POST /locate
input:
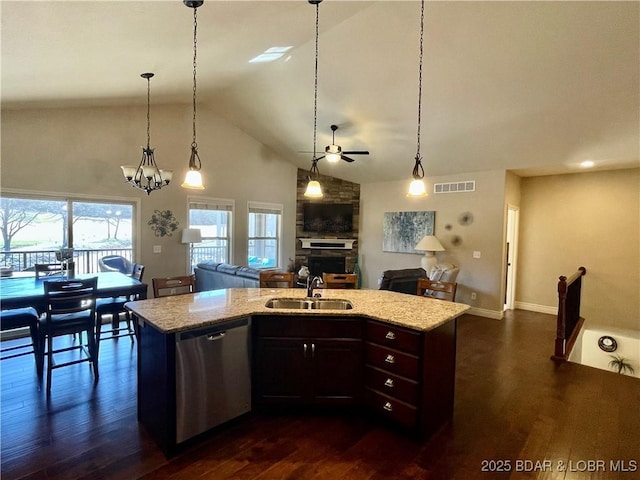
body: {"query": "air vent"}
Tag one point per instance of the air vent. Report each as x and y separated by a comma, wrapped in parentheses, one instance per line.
(455, 187)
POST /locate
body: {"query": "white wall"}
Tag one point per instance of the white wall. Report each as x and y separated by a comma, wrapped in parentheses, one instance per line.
(482, 276)
(80, 150)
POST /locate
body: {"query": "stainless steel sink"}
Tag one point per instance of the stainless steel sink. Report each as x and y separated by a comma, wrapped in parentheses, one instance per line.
(310, 303)
(296, 303)
(331, 304)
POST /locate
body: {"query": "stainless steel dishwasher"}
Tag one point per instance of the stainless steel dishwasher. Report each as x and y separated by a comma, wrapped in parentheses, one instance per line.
(213, 377)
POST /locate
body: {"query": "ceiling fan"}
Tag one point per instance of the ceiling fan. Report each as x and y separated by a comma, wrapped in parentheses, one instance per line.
(334, 152)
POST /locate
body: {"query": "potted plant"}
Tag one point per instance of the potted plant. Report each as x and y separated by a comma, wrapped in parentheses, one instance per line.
(620, 364)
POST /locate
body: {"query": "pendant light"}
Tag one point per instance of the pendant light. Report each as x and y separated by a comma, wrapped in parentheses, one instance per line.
(417, 188)
(193, 179)
(147, 176)
(314, 190)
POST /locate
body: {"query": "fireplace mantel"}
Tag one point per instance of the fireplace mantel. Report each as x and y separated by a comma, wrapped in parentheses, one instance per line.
(329, 243)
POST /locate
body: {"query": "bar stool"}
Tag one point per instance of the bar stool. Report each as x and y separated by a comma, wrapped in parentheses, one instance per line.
(276, 279)
(22, 318)
(70, 308)
(115, 308)
(340, 280)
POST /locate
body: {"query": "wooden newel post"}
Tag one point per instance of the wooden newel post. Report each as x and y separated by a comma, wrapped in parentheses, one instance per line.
(565, 340)
(562, 318)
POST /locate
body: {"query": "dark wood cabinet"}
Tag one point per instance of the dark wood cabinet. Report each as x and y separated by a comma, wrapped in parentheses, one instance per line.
(403, 376)
(309, 360)
(410, 375)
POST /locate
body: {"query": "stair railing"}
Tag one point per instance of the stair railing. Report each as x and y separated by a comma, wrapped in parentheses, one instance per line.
(568, 322)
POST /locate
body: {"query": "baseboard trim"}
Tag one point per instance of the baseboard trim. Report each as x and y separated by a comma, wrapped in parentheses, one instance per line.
(532, 307)
(483, 312)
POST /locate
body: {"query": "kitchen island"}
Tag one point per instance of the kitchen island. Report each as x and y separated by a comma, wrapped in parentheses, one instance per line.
(390, 353)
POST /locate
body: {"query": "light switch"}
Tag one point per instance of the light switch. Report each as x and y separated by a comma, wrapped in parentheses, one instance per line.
(476, 254)
(157, 249)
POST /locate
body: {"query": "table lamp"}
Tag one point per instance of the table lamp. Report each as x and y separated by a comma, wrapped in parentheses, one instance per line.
(430, 244)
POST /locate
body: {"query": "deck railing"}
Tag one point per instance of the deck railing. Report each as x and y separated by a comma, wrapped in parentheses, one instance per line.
(86, 260)
(568, 322)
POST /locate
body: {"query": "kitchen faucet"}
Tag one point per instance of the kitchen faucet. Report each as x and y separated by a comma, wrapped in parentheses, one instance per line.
(313, 283)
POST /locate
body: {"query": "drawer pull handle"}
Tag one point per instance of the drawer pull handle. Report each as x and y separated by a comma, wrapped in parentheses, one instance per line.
(388, 383)
(390, 359)
(388, 407)
(304, 349)
(390, 336)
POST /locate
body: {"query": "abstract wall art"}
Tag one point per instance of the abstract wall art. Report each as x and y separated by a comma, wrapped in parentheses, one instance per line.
(403, 230)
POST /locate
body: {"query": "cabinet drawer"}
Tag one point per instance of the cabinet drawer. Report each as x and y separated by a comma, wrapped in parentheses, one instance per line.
(392, 336)
(392, 360)
(392, 409)
(392, 385)
(308, 326)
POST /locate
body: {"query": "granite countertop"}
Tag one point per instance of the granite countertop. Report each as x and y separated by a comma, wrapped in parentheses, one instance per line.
(185, 312)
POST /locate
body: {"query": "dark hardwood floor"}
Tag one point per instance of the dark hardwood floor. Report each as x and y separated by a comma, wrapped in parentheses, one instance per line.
(514, 409)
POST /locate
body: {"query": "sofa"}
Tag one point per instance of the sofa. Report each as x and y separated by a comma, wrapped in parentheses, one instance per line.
(214, 276)
(406, 280)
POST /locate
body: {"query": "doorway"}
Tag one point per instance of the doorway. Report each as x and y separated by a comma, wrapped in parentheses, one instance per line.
(511, 252)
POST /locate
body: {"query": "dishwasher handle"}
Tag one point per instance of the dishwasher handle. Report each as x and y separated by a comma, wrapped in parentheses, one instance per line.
(213, 332)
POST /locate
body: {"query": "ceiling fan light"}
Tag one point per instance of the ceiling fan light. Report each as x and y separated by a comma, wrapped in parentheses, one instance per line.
(417, 188)
(313, 189)
(333, 153)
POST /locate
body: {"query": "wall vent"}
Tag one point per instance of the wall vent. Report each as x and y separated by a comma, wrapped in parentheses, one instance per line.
(455, 187)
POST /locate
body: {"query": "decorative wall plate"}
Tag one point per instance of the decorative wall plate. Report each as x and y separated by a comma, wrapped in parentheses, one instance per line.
(163, 223)
(465, 218)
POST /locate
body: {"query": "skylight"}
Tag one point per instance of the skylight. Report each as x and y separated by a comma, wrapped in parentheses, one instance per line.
(270, 55)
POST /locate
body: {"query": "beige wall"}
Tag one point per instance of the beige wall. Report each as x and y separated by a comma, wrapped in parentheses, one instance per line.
(80, 150)
(483, 275)
(590, 220)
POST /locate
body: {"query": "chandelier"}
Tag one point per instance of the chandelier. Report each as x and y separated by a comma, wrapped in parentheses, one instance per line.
(147, 176)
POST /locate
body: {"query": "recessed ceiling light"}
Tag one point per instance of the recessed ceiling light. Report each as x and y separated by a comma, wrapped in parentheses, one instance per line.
(270, 54)
(587, 164)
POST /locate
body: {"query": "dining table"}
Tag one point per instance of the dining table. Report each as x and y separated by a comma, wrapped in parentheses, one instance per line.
(28, 291)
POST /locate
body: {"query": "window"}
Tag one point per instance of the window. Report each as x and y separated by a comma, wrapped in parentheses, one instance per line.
(213, 216)
(34, 227)
(265, 221)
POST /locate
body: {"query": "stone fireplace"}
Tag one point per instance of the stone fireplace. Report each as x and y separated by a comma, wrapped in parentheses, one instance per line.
(327, 253)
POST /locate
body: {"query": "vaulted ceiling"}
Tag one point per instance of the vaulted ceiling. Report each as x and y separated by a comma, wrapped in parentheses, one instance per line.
(534, 87)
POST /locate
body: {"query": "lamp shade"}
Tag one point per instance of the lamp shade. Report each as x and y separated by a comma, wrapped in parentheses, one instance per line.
(313, 189)
(193, 180)
(191, 235)
(429, 243)
(417, 189)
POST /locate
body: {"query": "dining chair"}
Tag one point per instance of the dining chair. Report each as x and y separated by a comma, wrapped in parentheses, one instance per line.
(437, 289)
(115, 308)
(70, 308)
(115, 263)
(340, 280)
(48, 269)
(21, 318)
(276, 279)
(163, 287)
